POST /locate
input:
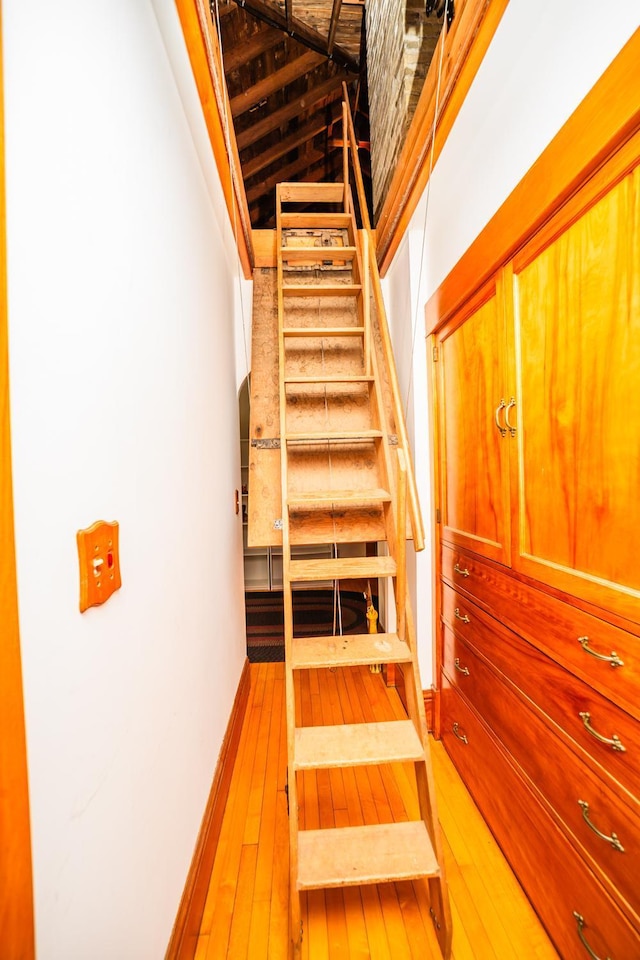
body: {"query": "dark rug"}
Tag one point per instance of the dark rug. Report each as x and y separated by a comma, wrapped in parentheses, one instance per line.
(313, 616)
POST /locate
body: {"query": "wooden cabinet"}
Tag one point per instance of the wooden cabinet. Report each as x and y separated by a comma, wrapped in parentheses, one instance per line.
(540, 408)
(537, 383)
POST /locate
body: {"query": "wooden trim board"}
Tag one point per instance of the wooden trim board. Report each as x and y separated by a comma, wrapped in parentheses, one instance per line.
(184, 937)
(16, 893)
(601, 124)
(465, 45)
(206, 63)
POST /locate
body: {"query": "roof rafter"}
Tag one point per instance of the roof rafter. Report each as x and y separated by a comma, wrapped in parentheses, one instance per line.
(275, 81)
(299, 31)
(279, 117)
(310, 130)
(333, 25)
(242, 53)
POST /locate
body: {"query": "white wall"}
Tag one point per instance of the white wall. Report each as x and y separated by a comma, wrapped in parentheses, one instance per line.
(542, 62)
(124, 407)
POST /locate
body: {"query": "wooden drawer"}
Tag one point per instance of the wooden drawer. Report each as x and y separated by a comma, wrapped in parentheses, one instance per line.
(552, 625)
(559, 694)
(556, 771)
(551, 871)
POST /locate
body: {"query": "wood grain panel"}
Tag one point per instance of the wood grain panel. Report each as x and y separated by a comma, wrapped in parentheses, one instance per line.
(556, 772)
(549, 868)
(16, 897)
(475, 482)
(552, 626)
(578, 362)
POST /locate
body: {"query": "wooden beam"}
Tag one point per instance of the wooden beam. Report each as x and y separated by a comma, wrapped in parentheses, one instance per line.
(16, 897)
(308, 132)
(465, 45)
(275, 81)
(206, 63)
(290, 172)
(333, 25)
(325, 93)
(304, 34)
(247, 50)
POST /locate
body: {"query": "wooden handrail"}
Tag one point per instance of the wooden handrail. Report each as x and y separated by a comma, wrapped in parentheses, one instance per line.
(417, 527)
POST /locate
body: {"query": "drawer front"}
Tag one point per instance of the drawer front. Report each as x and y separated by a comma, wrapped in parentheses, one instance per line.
(557, 692)
(553, 626)
(552, 873)
(565, 782)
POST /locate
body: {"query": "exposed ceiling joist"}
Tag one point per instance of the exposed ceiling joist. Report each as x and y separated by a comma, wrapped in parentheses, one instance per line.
(307, 132)
(275, 81)
(304, 34)
(249, 49)
(279, 117)
(289, 172)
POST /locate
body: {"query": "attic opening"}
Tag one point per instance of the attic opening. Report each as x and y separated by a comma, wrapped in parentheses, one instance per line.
(285, 64)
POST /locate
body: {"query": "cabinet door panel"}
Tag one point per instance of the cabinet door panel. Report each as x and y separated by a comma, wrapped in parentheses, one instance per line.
(475, 475)
(577, 339)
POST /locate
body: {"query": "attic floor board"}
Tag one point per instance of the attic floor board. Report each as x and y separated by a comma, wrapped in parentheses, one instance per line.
(246, 911)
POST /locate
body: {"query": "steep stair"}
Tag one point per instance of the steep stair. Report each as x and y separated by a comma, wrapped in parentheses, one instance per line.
(337, 456)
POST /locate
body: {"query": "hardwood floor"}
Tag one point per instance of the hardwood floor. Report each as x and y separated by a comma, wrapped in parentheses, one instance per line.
(245, 915)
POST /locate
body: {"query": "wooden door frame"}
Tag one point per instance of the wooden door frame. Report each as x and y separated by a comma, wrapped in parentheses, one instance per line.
(16, 889)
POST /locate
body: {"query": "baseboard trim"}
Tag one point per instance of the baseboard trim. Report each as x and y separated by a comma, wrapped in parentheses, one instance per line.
(184, 937)
(428, 708)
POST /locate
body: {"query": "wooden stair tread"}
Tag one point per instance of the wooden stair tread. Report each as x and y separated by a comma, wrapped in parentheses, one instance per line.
(351, 650)
(314, 220)
(288, 254)
(331, 378)
(356, 744)
(345, 856)
(308, 192)
(321, 289)
(342, 568)
(308, 497)
(323, 331)
(335, 435)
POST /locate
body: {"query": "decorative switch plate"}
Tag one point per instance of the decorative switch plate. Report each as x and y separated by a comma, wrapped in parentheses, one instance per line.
(99, 563)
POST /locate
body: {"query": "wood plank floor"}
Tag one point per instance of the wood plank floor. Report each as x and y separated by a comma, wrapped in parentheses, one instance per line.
(245, 914)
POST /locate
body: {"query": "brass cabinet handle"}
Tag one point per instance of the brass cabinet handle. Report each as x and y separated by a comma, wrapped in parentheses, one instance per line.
(461, 616)
(464, 670)
(501, 406)
(460, 736)
(583, 940)
(614, 742)
(512, 429)
(613, 657)
(463, 573)
(613, 839)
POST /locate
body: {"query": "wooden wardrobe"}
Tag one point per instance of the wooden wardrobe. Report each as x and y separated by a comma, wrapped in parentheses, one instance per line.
(536, 380)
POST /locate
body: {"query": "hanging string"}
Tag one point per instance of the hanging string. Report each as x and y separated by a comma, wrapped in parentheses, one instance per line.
(426, 205)
(221, 89)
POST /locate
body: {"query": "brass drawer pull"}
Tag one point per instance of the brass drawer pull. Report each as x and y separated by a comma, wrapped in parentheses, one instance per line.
(512, 429)
(463, 573)
(461, 616)
(615, 743)
(583, 940)
(460, 669)
(501, 406)
(613, 657)
(460, 736)
(613, 839)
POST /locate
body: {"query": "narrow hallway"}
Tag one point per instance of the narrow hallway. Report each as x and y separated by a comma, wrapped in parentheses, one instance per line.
(246, 908)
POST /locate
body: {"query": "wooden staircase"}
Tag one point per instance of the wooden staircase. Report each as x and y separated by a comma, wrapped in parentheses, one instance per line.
(338, 463)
